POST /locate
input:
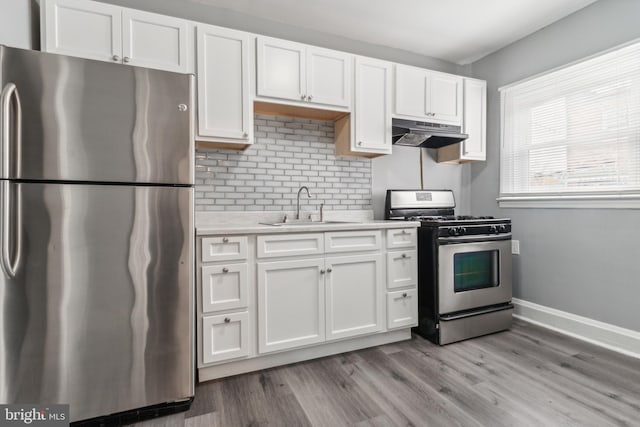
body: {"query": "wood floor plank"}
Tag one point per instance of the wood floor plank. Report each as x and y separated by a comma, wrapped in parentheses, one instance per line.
(528, 376)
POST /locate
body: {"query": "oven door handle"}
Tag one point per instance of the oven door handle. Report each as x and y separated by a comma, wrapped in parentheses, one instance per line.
(474, 239)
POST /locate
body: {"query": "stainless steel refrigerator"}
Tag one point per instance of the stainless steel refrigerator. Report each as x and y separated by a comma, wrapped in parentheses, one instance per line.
(96, 193)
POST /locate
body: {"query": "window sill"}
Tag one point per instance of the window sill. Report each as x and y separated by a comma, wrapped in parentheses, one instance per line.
(573, 201)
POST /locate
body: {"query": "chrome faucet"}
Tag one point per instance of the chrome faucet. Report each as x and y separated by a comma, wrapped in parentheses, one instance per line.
(298, 203)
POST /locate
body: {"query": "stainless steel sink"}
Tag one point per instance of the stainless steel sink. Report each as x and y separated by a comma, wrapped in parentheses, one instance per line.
(306, 222)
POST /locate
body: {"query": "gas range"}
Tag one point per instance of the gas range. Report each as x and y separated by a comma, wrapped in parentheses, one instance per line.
(464, 266)
(435, 208)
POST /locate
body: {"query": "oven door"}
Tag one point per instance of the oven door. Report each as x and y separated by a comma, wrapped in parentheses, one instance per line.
(473, 272)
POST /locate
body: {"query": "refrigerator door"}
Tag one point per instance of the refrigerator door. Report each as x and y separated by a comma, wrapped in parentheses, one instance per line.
(96, 305)
(84, 120)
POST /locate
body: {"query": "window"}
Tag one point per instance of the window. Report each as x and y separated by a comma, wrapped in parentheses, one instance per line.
(571, 137)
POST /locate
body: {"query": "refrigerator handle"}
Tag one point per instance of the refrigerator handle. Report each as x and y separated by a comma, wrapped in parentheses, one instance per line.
(10, 219)
(9, 92)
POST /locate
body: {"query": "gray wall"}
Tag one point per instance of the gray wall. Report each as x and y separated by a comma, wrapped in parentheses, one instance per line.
(584, 261)
(19, 23)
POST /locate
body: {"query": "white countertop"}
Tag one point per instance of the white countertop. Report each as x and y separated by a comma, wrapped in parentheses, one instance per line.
(250, 223)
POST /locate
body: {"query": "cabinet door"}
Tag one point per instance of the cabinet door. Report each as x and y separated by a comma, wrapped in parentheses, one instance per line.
(354, 295)
(82, 28)
(402, 309)
(373, 106)
(225, 336)
(224, 103)
(281, 69)
(475, 120)
(402, 269)
(224, 287)
(328, 77)
(290, 304)
(410, 88)
(154, 41)
(445, 98)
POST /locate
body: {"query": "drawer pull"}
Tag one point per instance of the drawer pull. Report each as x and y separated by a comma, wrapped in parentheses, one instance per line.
(404, 295)
(225, 270)
(225, 240)
(329, 270)
(227, 320)
(405, 232)
(404, 255)
(322, 271)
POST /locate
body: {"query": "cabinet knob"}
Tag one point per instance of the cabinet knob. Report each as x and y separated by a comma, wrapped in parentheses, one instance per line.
(322, 271)
(245, 135)
(126, 59)
(182, 107)
(359, 143)
(225, 270)
(225, 240)
(309, 98)
(303, 97)
(404, 295)
(227, 320)
(404, 255)
(329, 270)
(115, 58)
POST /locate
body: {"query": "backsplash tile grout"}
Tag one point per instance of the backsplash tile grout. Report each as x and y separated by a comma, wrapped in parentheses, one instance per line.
(288, 153)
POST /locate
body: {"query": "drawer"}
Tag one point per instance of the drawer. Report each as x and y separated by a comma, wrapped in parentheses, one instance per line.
(224, 287)
(225, 337)
(402, 309)
(279, 245)
(224, 248)
(402, 269)
(352, 241)
(401, 238)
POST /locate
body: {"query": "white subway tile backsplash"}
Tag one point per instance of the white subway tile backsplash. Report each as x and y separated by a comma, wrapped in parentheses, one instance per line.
(288, 153)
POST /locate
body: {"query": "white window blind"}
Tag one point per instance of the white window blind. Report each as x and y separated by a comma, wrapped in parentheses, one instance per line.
(574, 131)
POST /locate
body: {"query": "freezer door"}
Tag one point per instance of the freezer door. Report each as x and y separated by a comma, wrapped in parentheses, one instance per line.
(96, 296)
(74, 119)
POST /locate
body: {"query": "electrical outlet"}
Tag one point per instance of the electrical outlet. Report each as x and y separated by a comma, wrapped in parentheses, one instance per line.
(515, 247)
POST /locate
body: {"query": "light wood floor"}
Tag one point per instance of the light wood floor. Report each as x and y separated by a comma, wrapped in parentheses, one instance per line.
(528, 376)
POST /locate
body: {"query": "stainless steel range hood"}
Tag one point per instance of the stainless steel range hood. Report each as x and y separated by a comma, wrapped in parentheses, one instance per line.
(421, 134)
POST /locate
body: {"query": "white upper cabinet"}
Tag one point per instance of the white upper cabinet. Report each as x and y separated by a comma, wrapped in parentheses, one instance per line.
(328, 77)
(223, 67)
(427, 95)
(297, 72)
(103, 32)
(373, 107)
(82, 28)
(474, 148)
(475, 120)
(154, 41)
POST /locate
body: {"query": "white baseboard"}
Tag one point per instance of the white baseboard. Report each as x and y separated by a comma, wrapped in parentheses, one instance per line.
(613, 337)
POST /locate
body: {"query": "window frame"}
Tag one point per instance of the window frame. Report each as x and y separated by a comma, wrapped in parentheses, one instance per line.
(606, 199)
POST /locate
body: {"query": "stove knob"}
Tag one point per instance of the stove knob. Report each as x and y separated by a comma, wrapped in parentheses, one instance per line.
(453, 231)
(462, 231)
(493, 229)
(503, 228)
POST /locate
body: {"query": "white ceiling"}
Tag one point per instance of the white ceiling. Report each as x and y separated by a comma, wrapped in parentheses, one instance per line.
(459, 31)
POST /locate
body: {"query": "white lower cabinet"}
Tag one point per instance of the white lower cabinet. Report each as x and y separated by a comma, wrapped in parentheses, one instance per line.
(275, 298)
(225, 336)
(402, 269)
(402, 308)
(290, 304)
(354, 293)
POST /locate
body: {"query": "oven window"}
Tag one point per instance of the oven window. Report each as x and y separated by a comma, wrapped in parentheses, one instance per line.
(475, 270)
